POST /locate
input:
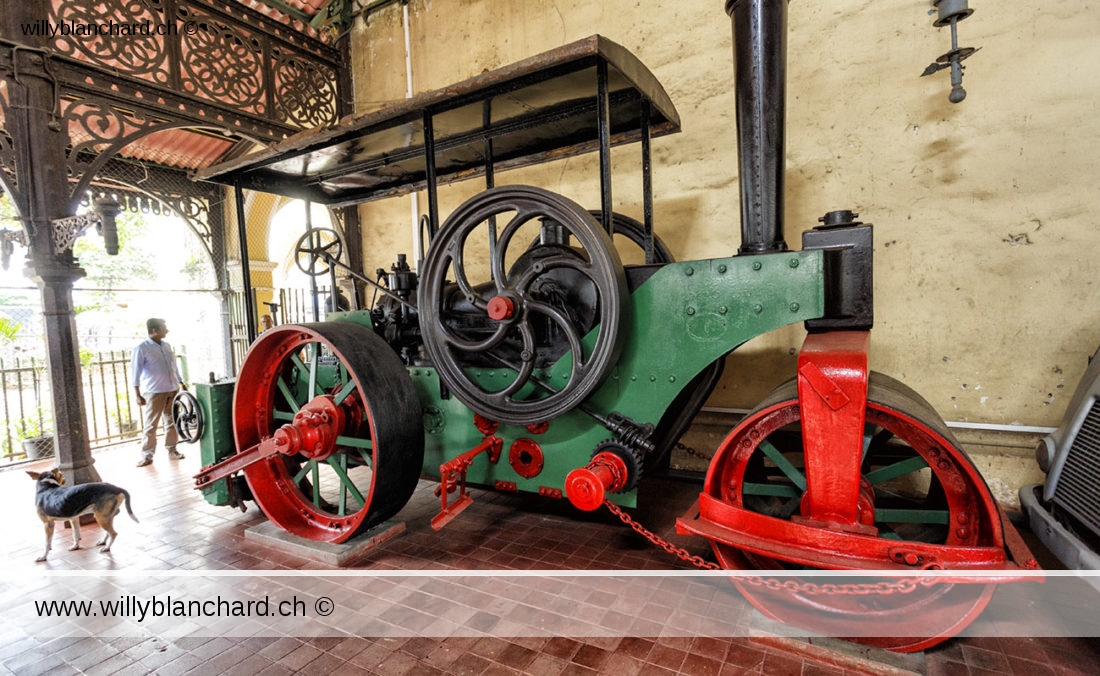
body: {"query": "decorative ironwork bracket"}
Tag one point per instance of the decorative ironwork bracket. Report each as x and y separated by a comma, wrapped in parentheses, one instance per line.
(69, 229)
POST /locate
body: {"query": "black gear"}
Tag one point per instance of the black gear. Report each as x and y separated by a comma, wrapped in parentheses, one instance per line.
(631, 457)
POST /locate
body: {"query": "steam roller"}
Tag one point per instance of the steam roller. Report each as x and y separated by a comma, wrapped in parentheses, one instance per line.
(524, 355)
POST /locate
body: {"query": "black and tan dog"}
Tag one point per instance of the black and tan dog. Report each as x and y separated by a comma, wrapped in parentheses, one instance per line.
(56, 502)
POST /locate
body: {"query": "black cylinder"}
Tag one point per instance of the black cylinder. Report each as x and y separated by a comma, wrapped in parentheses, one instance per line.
(760, 64)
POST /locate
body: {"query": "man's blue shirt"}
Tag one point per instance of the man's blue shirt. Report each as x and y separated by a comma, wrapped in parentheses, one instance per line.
(153, 367)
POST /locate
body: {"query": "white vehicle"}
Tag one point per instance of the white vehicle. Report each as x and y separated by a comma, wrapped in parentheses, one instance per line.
(1065, 511)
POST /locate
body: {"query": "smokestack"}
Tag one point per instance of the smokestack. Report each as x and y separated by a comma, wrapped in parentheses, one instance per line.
(760, 63)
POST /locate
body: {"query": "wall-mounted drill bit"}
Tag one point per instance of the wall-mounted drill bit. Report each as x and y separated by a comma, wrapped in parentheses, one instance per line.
(950, 13)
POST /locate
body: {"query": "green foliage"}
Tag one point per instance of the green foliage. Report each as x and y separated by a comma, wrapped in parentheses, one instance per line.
(28, 427)
(8, 212)
(18, 299)
(135, 263)
(9, 328)
(124, 413)
(195, 268)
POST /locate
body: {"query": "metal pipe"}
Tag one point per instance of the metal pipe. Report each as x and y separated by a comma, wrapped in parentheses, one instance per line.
(490, 170)
(603, 125)
(379, 4)
(246, 272)
(647, 183)
(414, 198)
(760, 62)
(429, 175)
(314, 242)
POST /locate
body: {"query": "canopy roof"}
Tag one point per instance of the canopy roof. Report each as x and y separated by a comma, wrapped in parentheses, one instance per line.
(532, 111)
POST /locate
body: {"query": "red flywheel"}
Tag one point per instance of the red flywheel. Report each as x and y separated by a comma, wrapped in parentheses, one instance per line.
(339, 396)
(925, 504)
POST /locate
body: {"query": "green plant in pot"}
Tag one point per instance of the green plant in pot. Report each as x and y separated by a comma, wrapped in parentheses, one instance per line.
(35, 434)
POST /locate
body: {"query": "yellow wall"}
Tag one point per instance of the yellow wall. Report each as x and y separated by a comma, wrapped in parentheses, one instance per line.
(987, 300)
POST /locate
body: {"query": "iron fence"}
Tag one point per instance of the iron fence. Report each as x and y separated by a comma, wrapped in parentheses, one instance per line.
(112, 415)
(26, 416)
(291, 306)
(109, 405)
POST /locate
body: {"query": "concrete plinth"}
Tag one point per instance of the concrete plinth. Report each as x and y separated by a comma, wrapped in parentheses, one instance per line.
(336, 555)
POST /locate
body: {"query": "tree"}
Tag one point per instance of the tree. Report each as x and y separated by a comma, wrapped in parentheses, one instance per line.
(133, 267)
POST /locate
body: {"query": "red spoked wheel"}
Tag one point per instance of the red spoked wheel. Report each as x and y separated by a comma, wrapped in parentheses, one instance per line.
(919, 487)
(345, 398)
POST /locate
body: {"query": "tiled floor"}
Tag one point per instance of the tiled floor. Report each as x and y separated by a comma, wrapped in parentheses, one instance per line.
(180, 534)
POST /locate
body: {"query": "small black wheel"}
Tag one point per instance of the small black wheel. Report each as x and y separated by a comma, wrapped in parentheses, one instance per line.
(549, 316)
(315, 250)
(187, 417)
(633, 230)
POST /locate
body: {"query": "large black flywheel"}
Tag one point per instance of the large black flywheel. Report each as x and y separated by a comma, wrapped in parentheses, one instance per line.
(521, 335)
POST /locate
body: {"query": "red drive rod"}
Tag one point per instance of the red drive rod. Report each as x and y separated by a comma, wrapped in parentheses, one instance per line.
(586, 487)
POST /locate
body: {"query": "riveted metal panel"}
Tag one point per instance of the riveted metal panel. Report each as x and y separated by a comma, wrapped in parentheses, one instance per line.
(682, 319)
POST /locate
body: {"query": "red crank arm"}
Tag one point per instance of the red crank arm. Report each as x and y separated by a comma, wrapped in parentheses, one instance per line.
(235, 463)
(312, 433)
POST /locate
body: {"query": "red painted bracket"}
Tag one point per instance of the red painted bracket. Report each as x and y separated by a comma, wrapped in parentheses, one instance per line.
(832, 397)
(453, 477)
(821, 548)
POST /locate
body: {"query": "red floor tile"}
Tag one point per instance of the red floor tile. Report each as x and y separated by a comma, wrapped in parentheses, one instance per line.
(179, 531)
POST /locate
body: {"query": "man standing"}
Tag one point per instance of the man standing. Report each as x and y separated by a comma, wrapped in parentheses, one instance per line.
(156, 378)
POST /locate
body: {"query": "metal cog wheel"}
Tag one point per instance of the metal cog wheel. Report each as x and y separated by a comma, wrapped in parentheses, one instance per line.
(631, 457)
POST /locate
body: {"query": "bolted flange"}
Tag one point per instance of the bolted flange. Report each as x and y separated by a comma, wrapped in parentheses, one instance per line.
(525, 457)
(314, 429)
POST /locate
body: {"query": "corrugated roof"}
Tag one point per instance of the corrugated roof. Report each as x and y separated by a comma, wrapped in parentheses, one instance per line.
(192, 150)
(309, 7)
(179, 148)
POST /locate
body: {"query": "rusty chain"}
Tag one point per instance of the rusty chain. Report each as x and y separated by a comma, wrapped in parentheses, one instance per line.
(681, 446)
(678, 552)
(901, 586)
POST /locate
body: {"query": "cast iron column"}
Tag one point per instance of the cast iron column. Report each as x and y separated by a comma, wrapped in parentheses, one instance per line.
(55, 281)
(41, 194)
